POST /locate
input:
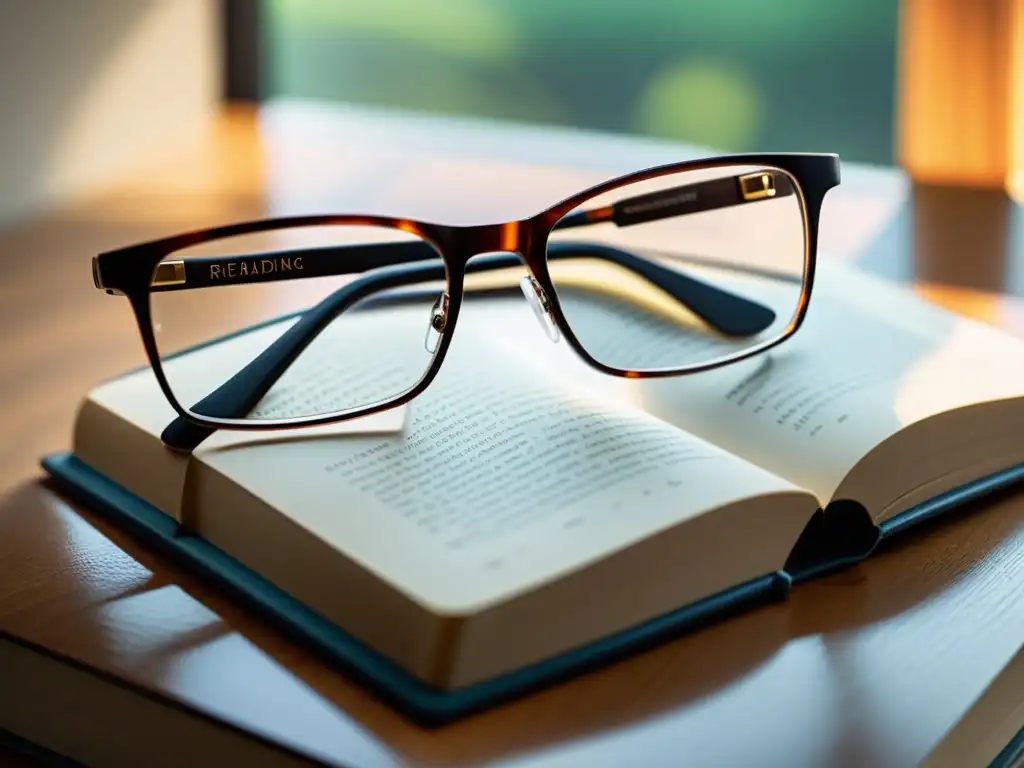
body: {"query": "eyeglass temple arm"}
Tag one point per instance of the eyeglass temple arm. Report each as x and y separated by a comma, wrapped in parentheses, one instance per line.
(243, 391)
(177, 274)
(689, 198)
(722, 310)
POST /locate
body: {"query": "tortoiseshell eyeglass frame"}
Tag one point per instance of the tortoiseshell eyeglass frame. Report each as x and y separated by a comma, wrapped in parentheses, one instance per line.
(139, 270)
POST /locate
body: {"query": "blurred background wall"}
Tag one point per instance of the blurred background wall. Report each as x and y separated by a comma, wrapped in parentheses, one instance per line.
(737, 75)
(89, 90)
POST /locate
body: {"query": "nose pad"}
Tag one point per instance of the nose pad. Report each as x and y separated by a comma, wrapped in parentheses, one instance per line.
(538, 300)
(438, 321)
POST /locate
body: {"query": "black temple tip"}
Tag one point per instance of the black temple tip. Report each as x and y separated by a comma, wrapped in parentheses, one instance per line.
(183, 436)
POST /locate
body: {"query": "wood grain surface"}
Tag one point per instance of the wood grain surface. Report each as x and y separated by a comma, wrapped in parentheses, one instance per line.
(865, 668)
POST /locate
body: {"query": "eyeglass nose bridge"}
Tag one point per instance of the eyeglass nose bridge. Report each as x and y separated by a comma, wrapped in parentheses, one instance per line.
(511, 237)
(512, 240)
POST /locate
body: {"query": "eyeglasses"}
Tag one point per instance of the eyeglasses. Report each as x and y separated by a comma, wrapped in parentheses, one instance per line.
(312, 320)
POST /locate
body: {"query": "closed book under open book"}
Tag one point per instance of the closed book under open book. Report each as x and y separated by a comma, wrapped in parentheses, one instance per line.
(527, 518)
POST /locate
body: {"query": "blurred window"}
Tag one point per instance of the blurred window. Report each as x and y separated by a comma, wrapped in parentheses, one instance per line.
(737, 75)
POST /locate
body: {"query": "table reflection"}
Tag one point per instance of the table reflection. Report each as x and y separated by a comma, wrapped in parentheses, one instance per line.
(957, 236)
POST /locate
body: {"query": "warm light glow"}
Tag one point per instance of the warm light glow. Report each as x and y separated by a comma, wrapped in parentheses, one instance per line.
(130, 111)
(973, 363)
(1015, 106)
(408, 226)
(960, 124)
(1015, 186)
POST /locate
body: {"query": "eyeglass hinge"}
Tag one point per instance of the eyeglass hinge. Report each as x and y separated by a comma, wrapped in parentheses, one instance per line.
(167, 273)
(757, 186)
(97, 279)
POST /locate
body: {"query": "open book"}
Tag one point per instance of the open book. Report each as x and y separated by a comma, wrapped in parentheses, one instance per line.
(526, 510)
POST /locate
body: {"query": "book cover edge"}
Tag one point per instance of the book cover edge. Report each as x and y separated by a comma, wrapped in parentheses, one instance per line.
(964, 499)
(1012, 755)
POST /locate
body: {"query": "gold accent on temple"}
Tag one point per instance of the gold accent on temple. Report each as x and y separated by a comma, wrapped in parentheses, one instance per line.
(169, 273)
(757, 186)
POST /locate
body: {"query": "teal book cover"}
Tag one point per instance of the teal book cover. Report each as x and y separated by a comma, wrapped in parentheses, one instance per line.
(839, 538)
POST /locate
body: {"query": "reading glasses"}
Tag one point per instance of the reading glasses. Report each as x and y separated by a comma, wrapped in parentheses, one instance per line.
(312, 320)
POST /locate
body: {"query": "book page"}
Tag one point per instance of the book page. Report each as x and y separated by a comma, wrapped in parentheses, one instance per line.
(128, 449)
(870, 360)
(505, 477)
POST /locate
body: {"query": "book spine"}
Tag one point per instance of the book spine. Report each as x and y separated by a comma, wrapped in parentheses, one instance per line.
(839, 536)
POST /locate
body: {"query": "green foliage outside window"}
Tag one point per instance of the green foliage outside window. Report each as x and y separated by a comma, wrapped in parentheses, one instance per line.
(737, 75)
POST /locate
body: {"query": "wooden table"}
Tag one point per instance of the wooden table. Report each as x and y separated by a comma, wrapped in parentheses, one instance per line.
(865, 668)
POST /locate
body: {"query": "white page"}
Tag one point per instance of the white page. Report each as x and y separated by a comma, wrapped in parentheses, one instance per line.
(869, 360)
(503, 479)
